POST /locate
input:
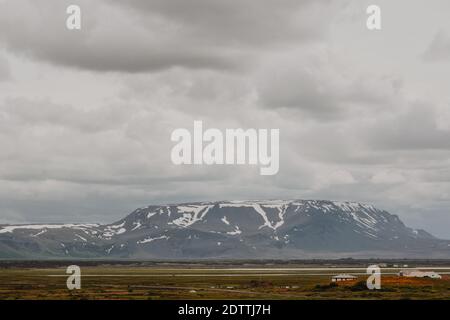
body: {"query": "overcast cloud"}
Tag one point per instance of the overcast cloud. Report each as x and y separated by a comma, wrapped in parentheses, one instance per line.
(439, 48)
(86, 116)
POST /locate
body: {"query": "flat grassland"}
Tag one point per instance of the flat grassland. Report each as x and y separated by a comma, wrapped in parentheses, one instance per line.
(134, 281)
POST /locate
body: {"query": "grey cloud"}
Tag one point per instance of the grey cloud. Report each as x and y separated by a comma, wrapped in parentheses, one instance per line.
(439, 48)
(413, 129)
(27, 113)
(5, 70)
(319, 90)
(301, 90)
(123, 144)
(242, 22)
(110, 39)
(218, 35)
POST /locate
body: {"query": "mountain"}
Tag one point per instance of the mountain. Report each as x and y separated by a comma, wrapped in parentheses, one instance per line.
(276, 229)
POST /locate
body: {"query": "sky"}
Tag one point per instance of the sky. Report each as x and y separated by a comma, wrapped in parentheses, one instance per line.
(86, 115)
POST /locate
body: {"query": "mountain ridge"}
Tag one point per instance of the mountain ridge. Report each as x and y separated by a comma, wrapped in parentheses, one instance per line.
(287, 229)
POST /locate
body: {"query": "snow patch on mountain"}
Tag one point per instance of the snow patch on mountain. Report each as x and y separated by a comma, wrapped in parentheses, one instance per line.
(224, 219)
(12, 228)
(236, 231)
(147, 240)
(190, 214)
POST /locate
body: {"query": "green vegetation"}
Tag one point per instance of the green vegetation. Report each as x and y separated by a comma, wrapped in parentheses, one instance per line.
(203, 281)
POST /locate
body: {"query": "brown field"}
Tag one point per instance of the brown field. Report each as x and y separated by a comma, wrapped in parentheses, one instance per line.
(205, 282)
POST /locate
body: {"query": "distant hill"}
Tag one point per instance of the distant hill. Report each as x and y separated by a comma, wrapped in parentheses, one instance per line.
(279, 229)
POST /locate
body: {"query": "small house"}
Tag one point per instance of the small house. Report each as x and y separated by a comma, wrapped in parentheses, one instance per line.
(343, 277)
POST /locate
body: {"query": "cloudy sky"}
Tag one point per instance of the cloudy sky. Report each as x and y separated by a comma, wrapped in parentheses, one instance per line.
(86, 116)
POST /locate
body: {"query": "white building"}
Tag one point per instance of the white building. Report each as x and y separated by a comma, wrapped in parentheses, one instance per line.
(343, 277)
(420, 274)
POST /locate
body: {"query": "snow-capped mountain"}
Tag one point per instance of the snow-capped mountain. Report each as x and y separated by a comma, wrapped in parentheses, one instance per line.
(282, 229)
